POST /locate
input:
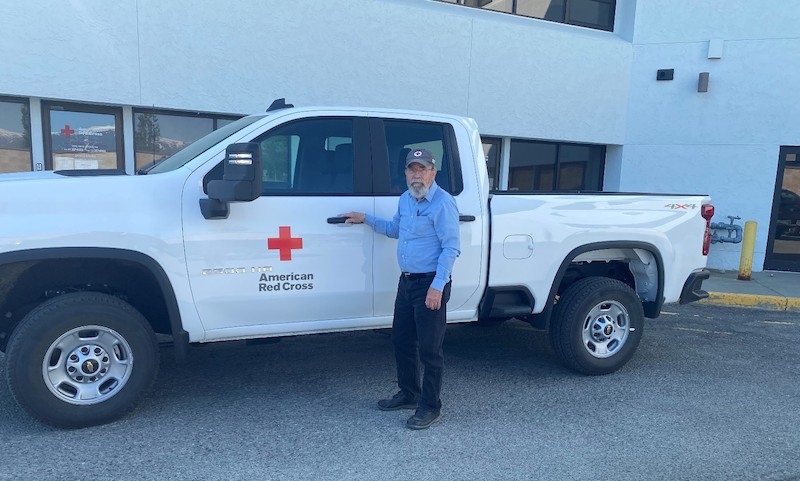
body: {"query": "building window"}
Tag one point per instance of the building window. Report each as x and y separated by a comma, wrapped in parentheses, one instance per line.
(491, 152)
(159, 133)
(15, 135)
(496, 5)
(79, 136)
(598, 14)
(548, 166)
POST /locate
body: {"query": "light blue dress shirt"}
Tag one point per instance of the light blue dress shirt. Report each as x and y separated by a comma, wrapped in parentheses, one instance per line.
(427, 233)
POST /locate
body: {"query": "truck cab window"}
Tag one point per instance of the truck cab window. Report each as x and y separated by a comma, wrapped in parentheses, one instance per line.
(403, 136)
(309, 156)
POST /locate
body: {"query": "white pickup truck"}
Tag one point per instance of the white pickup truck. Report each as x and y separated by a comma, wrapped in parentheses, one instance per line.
(237, 237)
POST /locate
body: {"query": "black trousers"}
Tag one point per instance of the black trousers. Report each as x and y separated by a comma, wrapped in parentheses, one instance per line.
(417, 337)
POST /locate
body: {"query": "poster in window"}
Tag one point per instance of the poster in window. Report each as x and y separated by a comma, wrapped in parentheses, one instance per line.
(83, 140)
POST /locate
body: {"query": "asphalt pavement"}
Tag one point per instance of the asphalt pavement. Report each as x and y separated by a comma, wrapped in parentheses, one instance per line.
(713, 393)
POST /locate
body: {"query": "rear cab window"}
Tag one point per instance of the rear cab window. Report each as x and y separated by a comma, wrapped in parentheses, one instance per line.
(403, 136)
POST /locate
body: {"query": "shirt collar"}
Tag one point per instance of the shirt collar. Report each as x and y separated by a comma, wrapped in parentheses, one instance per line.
(431, 192)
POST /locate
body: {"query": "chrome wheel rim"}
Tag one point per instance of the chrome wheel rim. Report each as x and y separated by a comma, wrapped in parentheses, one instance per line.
(87, 365)
(605, 329)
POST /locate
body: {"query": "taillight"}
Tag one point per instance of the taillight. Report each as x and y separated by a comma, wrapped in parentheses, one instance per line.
(707, 212)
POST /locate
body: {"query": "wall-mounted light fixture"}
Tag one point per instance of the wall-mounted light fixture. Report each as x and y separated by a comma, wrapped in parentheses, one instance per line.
(665, 73)
(715, 48)
(702, 82)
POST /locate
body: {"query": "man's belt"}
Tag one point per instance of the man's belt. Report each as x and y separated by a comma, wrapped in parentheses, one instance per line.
(418, 275)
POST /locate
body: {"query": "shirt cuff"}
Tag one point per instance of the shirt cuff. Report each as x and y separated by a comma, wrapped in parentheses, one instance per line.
(369, 219)
(438, 284)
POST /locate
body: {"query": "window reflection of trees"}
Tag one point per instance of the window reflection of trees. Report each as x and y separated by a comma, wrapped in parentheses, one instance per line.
(15, 136)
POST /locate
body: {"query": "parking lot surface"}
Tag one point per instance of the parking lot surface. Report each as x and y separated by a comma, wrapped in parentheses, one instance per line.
(713, 393)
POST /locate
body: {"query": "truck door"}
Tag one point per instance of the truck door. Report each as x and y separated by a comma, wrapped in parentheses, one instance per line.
(392, 140)
(276, 260)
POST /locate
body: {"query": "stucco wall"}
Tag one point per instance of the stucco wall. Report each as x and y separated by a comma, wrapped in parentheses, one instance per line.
(74, 50)
(518, 76)
(724, 142)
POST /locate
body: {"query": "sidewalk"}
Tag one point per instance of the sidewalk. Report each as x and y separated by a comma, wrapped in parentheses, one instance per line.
(773, 290)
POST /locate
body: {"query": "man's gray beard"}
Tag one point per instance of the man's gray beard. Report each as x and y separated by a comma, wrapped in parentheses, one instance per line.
(418, 192)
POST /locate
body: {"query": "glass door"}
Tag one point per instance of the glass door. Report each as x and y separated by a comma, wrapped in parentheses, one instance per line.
(80, 136)
(783, 244)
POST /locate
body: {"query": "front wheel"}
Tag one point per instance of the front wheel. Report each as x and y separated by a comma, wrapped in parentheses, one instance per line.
(81, 359)
(597, 325)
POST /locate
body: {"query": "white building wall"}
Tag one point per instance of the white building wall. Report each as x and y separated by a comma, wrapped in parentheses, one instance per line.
(73, 50)
(724, 142)
(518, 77)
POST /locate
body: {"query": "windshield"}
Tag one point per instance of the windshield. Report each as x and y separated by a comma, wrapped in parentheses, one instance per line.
(180, 158)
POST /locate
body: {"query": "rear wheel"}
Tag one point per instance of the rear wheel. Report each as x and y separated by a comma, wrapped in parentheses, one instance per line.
(597, 325)
(81, 359)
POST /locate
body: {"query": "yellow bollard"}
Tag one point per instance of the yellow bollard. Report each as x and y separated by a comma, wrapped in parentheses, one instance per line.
(748, 247)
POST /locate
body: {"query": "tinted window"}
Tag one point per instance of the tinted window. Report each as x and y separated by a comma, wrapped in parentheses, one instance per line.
(597, 14)
(550, 166)
(491, 151)
(15, 136)
(591, 13)
(159, 134)
(194, 149)
(311, 156)
(580, 167)
(403, 136)
(531, 166)
(544, 9)
(496, 5)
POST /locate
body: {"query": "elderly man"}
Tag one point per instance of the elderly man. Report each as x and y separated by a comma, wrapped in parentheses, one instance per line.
(426, 226)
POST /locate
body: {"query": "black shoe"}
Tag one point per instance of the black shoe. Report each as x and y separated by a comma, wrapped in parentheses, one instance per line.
(423, 418)
(398, 401)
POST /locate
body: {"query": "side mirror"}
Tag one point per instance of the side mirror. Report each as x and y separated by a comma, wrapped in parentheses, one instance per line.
(241, 180)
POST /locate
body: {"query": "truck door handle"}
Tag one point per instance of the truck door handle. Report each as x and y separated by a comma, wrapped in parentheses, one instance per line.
(466, 218)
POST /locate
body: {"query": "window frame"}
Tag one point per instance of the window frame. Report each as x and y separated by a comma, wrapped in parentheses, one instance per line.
(119, 133)
(565, 13)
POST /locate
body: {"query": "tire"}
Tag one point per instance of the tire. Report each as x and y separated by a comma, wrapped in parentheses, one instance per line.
(597, 325)
(81, 359)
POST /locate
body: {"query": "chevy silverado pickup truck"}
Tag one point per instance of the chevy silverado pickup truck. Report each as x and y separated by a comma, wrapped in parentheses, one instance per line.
(238, 236)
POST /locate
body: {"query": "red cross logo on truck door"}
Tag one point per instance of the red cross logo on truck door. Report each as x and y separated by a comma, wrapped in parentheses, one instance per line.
(285, 243)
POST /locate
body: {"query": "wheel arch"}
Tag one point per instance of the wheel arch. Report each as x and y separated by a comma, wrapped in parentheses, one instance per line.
(561, 281)
(29, 277)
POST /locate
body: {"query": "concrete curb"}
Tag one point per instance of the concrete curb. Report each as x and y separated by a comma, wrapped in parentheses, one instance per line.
(772, 303)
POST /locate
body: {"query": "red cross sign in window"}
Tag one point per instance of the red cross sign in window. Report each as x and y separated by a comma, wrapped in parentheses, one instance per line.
(285, 243)
(66, 131)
